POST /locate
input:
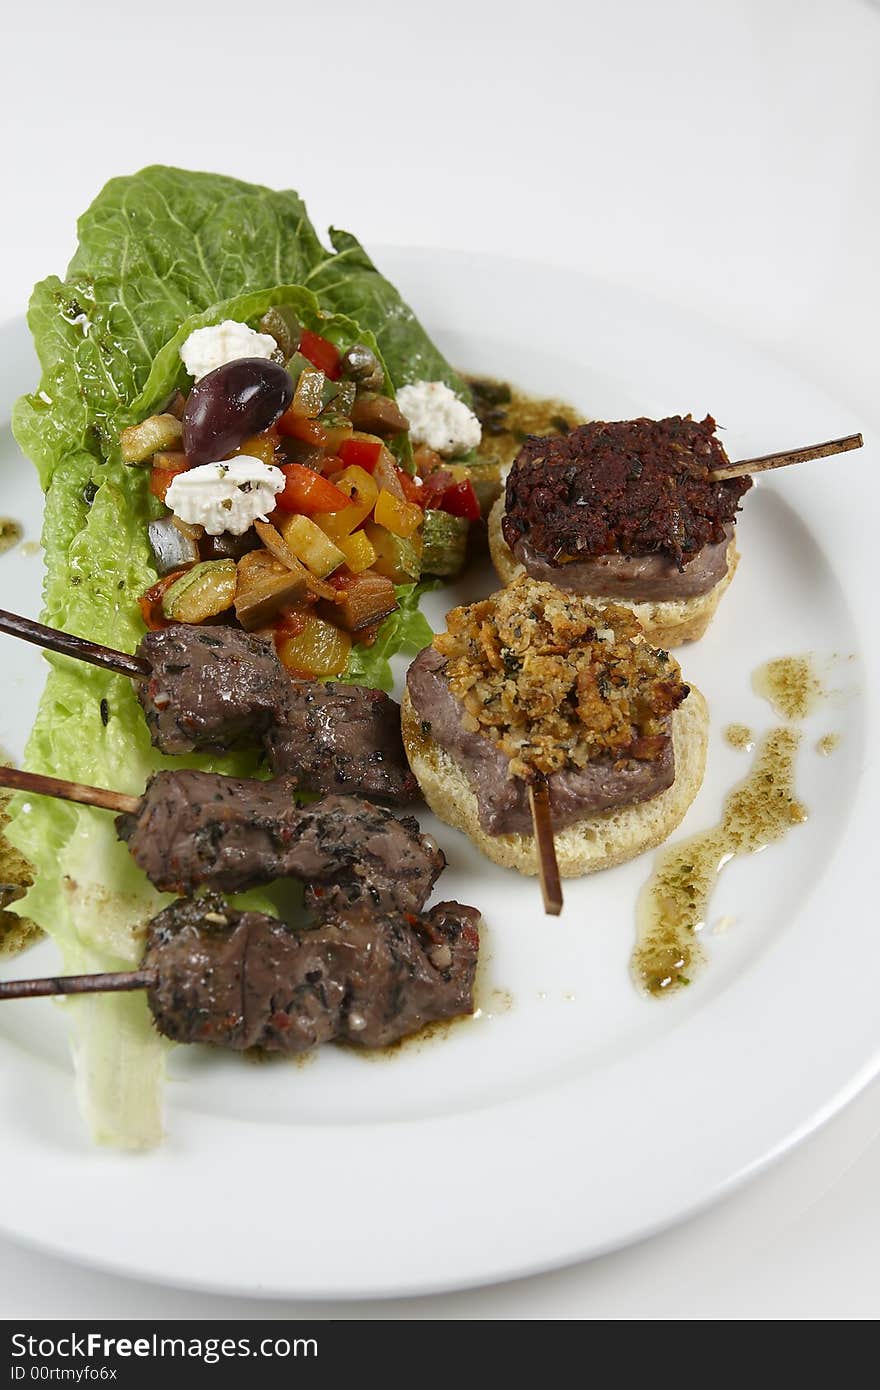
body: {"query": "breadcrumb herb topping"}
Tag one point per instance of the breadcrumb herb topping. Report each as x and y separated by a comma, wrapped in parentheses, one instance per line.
(556, 683)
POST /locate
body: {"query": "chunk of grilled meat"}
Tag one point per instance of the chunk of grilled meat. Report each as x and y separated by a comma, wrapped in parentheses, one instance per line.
(212, 687)
(341, 738)
(629, 487)
(243, 979)
(196, 827)
(209, 687)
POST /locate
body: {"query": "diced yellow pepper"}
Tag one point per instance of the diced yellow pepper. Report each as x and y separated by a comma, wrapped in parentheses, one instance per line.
(309, 544)
(357, 484)
(336, 435)
(398, 516)
(259, 446)
(359, 553)
(321, 649)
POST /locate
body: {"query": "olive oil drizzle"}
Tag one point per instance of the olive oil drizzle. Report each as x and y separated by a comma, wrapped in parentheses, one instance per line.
(740, 736)
(10, 533)
(790, 684)
(826, 745)
(508, 416)
(672, 907)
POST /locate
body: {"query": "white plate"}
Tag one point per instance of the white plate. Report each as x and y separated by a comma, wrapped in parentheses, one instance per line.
(572, 1115)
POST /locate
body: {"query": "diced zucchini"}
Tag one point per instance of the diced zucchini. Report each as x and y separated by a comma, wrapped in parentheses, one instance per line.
(321, 649)
(297, 364)
(398, 557)
(340, 395)
(309, 544)
(396, 514)
(444, 543)
(203, 592)
(357, 550)
(140, 442)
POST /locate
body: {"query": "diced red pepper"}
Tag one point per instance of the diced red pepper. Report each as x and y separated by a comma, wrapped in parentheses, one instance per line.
(162, 478)
(363, 453)
(434, 487)
(461, 500)
(299, 427)
(307, 491)
(412, 487)
(321, 354)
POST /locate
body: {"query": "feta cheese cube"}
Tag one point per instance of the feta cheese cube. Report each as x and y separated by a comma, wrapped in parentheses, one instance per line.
(438, 418)
(208, 348)
(228, 496)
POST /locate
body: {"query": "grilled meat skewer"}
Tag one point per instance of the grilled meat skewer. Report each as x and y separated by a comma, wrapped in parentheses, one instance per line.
(191, 828)
(198, 827)
(244, 979)
(208, 688)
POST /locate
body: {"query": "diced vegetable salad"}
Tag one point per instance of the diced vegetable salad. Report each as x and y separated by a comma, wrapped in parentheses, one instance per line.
(327, 507)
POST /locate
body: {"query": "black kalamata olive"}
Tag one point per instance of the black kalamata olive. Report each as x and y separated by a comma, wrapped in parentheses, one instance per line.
(231, 403)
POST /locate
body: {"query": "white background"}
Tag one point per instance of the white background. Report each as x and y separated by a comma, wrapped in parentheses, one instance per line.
(719, 153)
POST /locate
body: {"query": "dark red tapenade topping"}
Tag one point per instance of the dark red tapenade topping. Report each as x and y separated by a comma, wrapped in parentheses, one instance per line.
(633, 487)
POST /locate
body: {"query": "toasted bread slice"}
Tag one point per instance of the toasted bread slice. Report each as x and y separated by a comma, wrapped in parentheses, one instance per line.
(597, 842)
(666, 624)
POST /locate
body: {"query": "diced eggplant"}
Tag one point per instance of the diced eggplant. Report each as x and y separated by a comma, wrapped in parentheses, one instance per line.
(366, 599)
(171, 549)
(229, 547)
(378, 415)
(264, 587)
(308, 394)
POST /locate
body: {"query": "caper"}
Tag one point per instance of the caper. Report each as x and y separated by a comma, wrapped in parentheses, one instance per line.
(362, 364)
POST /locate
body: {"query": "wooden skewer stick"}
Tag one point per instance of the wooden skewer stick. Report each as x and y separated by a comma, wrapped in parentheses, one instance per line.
(539, 804)
(77, 984)
(811, 451)
(68, 645)
(40, 785)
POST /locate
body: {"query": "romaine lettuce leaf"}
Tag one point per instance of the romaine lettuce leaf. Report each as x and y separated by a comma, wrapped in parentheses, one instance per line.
(406, 630)
(159, 250)
(160, 246)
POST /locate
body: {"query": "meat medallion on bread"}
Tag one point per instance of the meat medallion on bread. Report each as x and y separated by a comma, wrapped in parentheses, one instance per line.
(625, 512)
(534, 682)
